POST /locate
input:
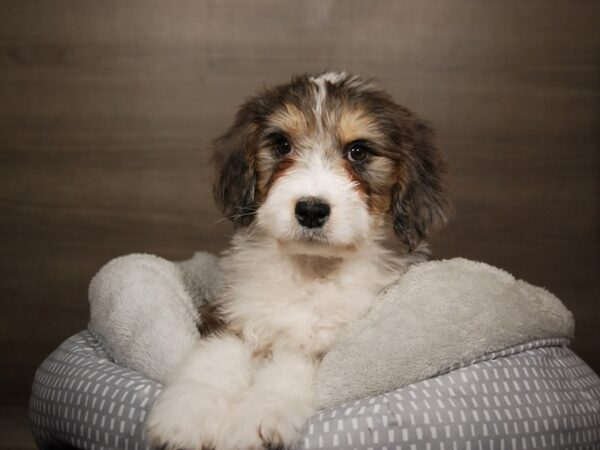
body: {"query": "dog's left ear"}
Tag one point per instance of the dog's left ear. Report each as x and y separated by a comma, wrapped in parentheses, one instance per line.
(420, 205)
(234, 186)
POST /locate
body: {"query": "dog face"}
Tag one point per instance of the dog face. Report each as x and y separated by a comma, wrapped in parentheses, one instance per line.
(323, 163)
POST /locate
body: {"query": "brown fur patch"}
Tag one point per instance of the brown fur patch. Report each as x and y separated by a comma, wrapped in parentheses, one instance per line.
(265, 160)
(282, 166)
(362, 186)
(270, 168)
(379, 204)
(212, 321)
(291, 119)
(355, 124)
(262, 353)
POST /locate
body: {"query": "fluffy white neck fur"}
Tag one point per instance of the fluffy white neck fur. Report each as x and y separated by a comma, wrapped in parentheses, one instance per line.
(277, 300)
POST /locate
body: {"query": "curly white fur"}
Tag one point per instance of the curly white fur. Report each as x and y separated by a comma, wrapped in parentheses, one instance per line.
(285, 302)
(252, 386)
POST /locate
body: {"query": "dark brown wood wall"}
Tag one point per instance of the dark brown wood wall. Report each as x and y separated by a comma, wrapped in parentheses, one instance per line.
(107, 110)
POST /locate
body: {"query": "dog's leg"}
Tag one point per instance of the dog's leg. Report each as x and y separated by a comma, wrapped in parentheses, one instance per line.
(192, 410)
(277, 405)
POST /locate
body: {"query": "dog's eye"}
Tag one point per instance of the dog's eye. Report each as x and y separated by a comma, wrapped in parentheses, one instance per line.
(282, 145)
(358, 152)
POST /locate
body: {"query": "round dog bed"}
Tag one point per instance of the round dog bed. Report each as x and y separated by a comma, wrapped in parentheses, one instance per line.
(537, 395)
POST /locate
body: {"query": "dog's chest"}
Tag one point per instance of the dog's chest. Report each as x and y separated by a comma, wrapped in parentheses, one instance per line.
(278, 309)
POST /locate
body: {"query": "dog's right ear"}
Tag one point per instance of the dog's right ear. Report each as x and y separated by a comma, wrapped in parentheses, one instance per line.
(234, 186)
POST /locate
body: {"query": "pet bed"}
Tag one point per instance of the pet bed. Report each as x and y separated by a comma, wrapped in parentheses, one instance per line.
(538, 395)
(456, 354)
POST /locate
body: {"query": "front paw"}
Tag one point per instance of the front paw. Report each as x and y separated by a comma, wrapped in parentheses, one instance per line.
(187, 419)
(256, 426)
(277, 433)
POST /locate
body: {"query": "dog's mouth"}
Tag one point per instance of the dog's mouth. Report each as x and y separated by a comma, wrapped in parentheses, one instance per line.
(314, 242)
(312, 237)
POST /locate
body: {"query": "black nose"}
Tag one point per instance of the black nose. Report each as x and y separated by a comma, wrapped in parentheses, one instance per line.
(312, 212)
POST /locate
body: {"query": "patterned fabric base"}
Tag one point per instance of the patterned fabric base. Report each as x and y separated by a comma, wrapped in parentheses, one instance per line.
(534, 396)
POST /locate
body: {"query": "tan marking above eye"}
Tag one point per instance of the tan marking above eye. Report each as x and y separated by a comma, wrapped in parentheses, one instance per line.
(356, 124)
(289, 119)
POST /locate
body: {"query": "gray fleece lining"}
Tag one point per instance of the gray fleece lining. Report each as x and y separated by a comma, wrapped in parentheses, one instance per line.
(438, 316)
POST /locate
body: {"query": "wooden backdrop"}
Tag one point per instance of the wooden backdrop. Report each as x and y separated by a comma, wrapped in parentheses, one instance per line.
(107, 110)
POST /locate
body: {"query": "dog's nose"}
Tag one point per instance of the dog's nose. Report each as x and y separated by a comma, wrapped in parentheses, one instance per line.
(312, 212)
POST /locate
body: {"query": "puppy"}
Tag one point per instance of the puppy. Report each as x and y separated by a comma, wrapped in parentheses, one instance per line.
(313, 173)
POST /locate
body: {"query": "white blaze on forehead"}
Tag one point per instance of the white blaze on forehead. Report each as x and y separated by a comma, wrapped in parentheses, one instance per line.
(320, 94)
(332, 77)
(351, 80)
(321, 80)
(321, 90)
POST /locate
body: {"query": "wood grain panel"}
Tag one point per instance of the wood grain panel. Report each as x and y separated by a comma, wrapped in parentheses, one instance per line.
(107, 111)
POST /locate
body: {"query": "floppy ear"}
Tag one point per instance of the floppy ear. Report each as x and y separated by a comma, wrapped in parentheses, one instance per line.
(234, 187)
(420, 205)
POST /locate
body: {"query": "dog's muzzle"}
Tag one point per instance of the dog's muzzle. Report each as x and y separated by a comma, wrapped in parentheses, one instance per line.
(312, 212)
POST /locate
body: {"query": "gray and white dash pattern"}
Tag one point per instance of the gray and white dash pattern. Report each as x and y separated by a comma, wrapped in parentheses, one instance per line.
(534, 396)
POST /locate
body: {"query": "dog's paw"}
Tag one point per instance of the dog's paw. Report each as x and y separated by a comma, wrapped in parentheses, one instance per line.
(281, 430)
(256, 426)
(239, 433)
(184, 419)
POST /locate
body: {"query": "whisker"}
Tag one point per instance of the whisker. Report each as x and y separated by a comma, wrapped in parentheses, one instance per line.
(232, 217)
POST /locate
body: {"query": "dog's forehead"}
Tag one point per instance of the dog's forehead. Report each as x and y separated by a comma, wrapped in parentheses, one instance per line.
(331, 106)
